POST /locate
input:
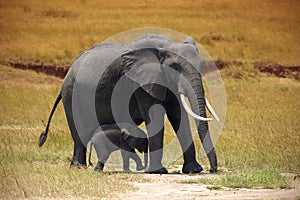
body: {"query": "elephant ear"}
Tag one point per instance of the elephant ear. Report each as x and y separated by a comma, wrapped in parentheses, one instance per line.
(190, 40)
(143, 67)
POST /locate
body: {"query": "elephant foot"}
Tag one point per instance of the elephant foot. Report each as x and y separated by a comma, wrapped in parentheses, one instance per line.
(213, 170)
(99, 167)
(191, 167)
(75, 164)
(127, 170)
(140, 168)
(157, 170)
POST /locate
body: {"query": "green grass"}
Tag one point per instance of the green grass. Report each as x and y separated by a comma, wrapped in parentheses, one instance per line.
(57, 31)
(265, 179)
(259, 179)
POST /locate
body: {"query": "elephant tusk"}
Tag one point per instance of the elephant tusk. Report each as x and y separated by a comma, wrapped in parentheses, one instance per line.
(211, 110)
(189, 111)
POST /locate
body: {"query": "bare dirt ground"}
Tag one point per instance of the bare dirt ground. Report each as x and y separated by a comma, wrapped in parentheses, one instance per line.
(61, 70)
(168, 186)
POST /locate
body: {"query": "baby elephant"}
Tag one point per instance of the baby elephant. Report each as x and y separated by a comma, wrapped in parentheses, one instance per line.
(126, 137)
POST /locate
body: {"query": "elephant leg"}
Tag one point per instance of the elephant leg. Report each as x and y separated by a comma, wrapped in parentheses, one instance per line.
(187, 145)
(79, 153)
(102, 155)
(156, 152)
(153, 114)
(125, 157)
(155, 129)
(180, 123)
(136, 158)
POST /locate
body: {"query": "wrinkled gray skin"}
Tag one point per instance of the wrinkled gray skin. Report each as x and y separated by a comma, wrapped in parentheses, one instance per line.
(109, 138)
(116, 60)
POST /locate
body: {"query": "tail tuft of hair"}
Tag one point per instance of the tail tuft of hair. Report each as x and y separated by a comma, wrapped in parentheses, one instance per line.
(42, 138)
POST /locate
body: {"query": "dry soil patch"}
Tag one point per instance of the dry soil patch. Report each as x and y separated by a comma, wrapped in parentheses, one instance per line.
(168, 186)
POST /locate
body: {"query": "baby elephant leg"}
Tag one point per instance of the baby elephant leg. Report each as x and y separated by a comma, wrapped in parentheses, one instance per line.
(136, 158)
(102, 155)
(125, 157)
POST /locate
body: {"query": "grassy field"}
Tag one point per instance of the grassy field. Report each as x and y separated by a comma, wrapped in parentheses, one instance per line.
(261, 133)
(25, 169)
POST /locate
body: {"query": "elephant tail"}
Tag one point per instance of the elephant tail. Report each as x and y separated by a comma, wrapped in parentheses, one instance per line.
(43, 136)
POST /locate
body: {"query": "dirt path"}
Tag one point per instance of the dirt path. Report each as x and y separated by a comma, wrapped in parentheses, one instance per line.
(168, 187)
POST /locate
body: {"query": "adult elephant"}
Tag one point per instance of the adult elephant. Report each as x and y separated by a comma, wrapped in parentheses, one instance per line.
(138, 81)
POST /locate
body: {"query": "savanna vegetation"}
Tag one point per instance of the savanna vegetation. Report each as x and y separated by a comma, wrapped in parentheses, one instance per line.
(56, 31)
(261, 133)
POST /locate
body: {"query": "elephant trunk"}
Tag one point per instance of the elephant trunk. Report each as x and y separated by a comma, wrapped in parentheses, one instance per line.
(198, 104)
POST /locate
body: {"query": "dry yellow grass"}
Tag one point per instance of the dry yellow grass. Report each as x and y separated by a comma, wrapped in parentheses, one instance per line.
(261, 132)
(56, 31)
(27, 171)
